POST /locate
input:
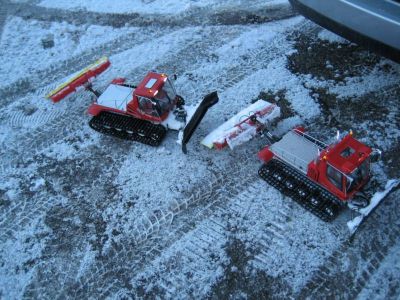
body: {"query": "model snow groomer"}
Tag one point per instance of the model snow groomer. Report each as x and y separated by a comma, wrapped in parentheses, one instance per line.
(322, 178)
(141, 113)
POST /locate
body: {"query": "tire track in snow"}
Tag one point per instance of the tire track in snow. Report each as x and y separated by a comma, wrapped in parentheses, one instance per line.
(120, 156)
(61, 128)
(201, 251)
(43, 81)
(4, 7)
(348, 265)
(39, 80)
(28, 214)
(74, 117)
(18, 119)
(148, 230)
(195, 16)
(186, 212)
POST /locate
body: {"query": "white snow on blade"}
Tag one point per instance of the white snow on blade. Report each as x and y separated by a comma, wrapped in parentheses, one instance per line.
(375, 200)
(150, 6)
(172, 123)
(331, 37)
(220, 134)
(383, 284)
(26, 47)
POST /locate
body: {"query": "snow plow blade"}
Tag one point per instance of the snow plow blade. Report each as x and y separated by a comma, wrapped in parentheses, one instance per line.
(243, 126)
(378, 197)
(79, 79)
(208, 101)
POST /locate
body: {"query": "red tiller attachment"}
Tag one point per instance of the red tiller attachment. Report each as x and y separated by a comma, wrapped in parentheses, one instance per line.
(243, 126)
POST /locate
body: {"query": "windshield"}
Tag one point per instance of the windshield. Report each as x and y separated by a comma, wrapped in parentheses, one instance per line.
(169, 89)
(148, 107)
(165, 98)
(358, 176)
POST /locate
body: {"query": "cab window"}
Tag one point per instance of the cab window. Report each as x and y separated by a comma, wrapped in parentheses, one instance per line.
(334, 176)
(148, 107)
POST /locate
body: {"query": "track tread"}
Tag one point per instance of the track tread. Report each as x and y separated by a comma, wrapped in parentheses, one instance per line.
(128, 128)
(274, 169)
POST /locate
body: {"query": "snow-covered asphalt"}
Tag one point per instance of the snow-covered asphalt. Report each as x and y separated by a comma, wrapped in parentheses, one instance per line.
(88, 216)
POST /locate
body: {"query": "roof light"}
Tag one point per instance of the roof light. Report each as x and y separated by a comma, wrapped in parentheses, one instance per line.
(351, 132)
(150, 83)
(324, 157)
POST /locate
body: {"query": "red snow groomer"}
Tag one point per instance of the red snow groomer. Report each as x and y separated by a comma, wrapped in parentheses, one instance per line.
(141, 113)
(322, 178)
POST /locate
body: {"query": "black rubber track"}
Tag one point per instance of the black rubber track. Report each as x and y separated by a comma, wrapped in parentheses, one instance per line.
(128, 128)
(297, 186)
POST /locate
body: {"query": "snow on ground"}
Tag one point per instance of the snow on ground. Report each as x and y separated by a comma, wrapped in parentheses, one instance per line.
(75, 202)
(383, 284)
(21, 254)
(371, 80)
(131, 185)
(188, 258)
(149, 6)
(36, 110)
(296, 246)
(29, 47)
(329, 36)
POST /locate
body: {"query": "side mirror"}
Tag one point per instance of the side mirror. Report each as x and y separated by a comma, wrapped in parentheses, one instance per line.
(376, 155)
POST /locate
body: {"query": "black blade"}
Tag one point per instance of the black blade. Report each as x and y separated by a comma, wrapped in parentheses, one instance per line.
(199, 114)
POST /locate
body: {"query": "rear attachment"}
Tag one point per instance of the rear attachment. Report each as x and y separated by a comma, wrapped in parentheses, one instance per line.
(128, 128)
(79, 79)
(208, 101)
(243, 126)
(378, 197)
(308, 194)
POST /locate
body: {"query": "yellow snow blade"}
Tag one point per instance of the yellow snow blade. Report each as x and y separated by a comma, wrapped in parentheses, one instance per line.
(76, 76)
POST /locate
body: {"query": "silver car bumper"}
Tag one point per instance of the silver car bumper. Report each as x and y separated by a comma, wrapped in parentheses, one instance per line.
(372, 23)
